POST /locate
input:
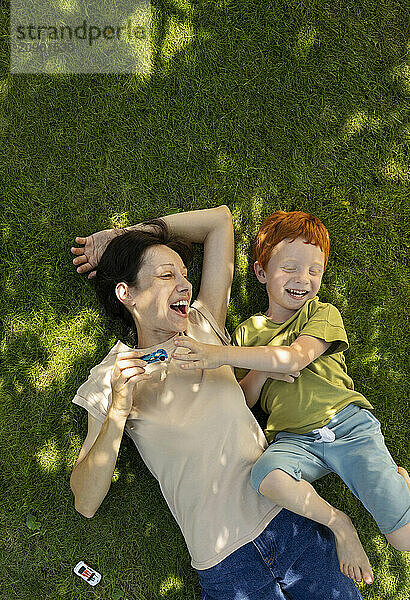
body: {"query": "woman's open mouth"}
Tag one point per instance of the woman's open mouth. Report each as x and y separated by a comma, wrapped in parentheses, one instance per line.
(296, 294)
(181, 308)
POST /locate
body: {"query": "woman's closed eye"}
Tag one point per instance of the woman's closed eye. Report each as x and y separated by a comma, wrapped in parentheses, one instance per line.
(170, 275)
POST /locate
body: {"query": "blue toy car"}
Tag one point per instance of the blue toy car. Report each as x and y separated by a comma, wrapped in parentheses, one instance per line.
(155, 356)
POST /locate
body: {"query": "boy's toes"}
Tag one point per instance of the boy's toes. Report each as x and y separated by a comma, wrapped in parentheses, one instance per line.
(351, 572)
(357, 573)
(367, 574)
(344, 568)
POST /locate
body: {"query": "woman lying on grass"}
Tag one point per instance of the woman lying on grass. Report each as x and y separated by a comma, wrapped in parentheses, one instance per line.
(192, 428)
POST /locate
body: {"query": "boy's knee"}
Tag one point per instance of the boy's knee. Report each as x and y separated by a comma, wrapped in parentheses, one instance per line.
(400, 545)
(400, 539)
(271, 484)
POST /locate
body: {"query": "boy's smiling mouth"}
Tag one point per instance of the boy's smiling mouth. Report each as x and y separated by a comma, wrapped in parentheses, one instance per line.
(296, 294)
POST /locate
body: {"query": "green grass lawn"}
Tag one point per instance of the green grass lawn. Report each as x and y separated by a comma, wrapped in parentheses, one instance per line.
(261, 105)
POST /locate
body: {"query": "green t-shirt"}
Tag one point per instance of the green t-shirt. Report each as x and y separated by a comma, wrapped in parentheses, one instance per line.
(322, 389)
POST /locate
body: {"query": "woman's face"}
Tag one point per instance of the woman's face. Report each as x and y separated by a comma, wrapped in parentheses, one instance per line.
(160, 299)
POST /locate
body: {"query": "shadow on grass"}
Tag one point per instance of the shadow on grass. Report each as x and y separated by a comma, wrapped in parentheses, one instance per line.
(256, 105)
(43, 437)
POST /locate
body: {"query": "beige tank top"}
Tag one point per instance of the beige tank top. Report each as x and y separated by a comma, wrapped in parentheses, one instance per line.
(198, 438)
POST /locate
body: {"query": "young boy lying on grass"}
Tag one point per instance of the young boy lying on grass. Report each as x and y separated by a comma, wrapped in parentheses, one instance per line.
(320, 423)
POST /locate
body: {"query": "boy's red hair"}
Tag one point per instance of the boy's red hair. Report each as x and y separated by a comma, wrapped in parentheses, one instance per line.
(289, 225)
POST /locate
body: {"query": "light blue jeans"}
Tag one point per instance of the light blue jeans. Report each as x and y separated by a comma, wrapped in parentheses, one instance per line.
(357, 454)
(294, 558)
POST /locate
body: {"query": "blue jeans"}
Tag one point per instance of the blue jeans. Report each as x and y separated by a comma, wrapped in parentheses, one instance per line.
(293, 558)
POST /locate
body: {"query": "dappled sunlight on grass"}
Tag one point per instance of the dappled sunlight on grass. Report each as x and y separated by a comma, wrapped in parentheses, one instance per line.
(171, 584)
(359, 121)
(263, 106)
(306, 39)
(71, 453)
(225, 163)
(49, 457)
(401, 75)
(395, 167)
(65, 341)
(68, 5)
(372, 360)
(120, 220)
(391, 567)
(182, 4)
(116, 475)
(178, 36)
(379, 542)
(375, 317)
(140, 46)
(4, 86)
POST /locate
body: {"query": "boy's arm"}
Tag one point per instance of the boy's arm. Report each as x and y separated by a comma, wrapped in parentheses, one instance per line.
(281, 359)
(254, 381)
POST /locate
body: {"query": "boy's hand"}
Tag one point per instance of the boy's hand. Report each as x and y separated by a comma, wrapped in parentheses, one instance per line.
(88, 256)
(201, 356)
(289, 378)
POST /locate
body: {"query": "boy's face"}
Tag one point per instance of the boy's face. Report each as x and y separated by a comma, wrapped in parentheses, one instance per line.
(293, 276)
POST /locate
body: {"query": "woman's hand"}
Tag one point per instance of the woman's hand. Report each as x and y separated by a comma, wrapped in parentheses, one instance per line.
(128, 370)
(201, 356)
(88, 256)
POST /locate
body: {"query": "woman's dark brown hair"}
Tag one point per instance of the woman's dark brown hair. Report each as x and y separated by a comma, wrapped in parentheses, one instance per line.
(122, 261)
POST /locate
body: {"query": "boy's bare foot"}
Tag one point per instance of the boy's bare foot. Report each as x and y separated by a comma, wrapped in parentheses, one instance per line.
(404, 474)
(353, 559)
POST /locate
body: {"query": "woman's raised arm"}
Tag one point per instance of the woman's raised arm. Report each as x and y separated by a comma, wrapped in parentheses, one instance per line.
(211, 227)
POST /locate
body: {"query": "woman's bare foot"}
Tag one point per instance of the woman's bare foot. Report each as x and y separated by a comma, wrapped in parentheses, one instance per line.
(353, 559)
(404, 474)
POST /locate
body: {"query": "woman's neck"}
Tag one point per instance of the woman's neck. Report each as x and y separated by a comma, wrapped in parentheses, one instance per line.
(149, 338)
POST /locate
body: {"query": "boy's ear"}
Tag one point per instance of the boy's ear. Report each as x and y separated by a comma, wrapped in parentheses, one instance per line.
(259, 272)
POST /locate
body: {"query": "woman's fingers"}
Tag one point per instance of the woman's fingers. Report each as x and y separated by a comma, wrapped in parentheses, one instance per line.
(131, 354)
(131, 372)
(126, 360)
(127, 363)
(80, 260)
(84, 268)
(139, 377)
(81, 240)
(77, 251)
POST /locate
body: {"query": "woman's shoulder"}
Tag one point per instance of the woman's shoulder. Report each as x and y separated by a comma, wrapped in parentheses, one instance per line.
(202, 323)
